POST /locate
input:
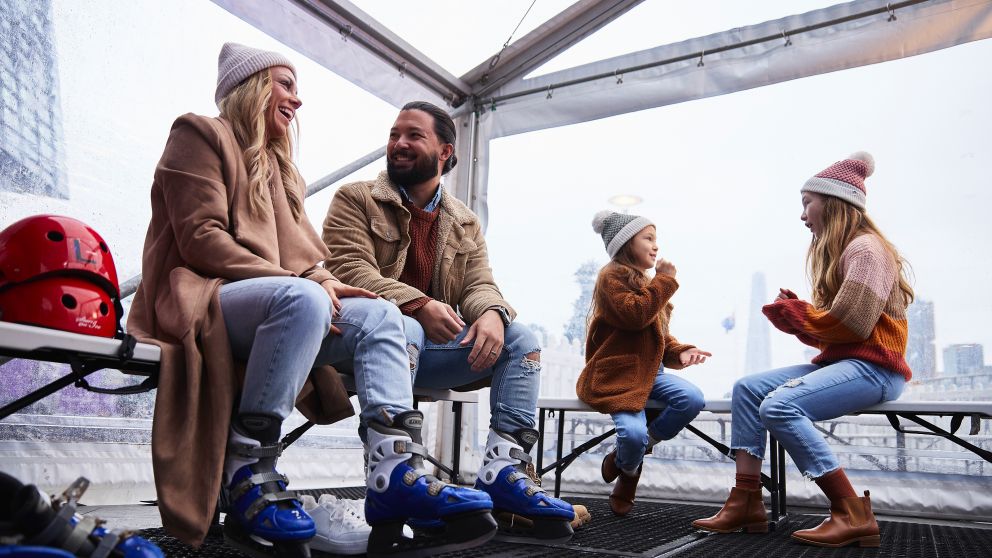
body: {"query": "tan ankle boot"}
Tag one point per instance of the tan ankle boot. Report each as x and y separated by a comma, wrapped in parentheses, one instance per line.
(622, 499)
(851, 521)
(743, 510)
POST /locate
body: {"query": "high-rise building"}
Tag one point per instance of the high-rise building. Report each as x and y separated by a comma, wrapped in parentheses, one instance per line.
(758, 357)
(585, 276)
(921, 352)
(31, 153)
(966, 358)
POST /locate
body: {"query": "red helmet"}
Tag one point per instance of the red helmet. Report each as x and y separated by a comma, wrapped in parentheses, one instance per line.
(43, 244)
(66, 303)
(57, 272)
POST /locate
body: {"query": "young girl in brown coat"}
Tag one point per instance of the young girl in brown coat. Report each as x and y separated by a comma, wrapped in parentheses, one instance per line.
(628, 347)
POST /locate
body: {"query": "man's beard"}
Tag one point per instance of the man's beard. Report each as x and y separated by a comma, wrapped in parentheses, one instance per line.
(423, 169)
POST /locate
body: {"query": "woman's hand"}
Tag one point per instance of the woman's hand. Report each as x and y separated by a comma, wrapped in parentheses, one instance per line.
(337, 290)
(785, 294)
(689, 357)
(665, 267)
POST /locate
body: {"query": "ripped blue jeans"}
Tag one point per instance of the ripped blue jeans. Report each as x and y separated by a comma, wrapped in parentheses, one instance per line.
(516, 380)
(787, 400)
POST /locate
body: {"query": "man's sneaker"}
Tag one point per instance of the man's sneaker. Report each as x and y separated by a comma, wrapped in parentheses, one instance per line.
(341, 525)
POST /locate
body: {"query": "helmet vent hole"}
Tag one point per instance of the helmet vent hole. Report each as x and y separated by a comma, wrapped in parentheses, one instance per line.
(104, 309)
(68, 301)
(103, 247)
(55, 236)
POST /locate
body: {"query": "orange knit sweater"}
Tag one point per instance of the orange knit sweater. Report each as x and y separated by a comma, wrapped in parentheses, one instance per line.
(867, 319)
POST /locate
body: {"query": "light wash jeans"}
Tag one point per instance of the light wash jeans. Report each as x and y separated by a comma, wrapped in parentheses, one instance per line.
(516, 380)
(684, 401)
(787, 400)
(280, 326)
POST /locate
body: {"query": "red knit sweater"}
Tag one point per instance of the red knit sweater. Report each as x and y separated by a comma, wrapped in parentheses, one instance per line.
(421, 255)
(867, 319)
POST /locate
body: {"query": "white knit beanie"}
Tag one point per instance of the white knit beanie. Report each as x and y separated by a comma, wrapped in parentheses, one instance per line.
(237, 62)
(617, 228)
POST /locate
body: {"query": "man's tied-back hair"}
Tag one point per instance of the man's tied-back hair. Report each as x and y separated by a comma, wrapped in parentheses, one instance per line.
(444, 127)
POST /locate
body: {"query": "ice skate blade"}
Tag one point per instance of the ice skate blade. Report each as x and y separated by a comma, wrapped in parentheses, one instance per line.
(461, 532)
(257, 547)
(518, 529)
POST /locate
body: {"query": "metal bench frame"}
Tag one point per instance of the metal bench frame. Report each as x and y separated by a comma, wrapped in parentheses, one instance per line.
(775, 481)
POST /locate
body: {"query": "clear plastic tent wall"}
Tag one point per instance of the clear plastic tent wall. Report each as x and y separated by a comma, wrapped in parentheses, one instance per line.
(507, 102)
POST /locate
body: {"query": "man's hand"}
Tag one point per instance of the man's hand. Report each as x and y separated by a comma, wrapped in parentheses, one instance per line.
(440, 322)
(664, 267)
(689, 357)
(337, 290)
(785, 294)
(487, 332)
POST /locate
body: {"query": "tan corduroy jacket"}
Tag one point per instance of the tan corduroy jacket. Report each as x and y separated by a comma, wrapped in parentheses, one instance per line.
(627, 342)
(202, 235)
(367, 231)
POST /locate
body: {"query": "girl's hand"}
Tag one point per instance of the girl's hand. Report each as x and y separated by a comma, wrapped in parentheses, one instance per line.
(337, 290)
(785, 294)
(689, 357)
(665, 267)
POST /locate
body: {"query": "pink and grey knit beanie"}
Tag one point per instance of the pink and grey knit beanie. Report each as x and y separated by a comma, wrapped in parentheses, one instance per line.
(237, 62)
(617, 228)
(844, 179)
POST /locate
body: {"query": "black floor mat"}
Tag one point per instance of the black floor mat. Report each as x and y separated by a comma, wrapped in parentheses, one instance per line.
(659, 529)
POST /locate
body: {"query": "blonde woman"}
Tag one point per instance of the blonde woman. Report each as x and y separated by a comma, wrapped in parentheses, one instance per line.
(231, 275)
(857, 320)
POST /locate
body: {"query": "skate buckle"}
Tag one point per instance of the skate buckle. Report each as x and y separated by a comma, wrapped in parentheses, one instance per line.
(73, 492)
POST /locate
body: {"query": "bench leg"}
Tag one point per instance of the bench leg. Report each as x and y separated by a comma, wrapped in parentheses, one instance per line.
(78, 373)
(558, 452)
(456, 450)
(540, 441)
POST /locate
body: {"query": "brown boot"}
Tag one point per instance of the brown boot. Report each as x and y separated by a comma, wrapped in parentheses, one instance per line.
(743, 510)
(851, 521)
(609, 468)
(622, 499)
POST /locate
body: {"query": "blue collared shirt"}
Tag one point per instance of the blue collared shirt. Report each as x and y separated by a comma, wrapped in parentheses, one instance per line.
(431, 205)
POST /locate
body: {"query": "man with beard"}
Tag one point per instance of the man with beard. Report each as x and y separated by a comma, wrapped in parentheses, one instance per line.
(404, 237)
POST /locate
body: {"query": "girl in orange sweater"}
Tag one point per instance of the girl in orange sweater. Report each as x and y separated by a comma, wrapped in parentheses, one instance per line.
(628, 347)
(858, 322)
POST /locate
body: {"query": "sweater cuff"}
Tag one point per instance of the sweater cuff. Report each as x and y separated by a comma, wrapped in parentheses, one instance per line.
(317, 274)
(409, 308)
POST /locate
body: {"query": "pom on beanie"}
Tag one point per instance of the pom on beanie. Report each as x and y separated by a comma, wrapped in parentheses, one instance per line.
(599, 220)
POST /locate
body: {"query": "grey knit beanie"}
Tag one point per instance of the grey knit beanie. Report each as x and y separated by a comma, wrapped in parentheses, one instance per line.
(617, 228)
(237, 62)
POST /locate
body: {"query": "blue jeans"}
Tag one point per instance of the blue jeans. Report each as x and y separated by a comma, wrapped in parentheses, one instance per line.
(787, 400)
(683, 402)
(516, 380)
(280, 326)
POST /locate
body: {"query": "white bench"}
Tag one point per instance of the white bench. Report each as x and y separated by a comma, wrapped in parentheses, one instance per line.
(775, 482)
(87, 354)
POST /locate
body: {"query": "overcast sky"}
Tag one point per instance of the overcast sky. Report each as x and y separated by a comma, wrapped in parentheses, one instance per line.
(719, 176)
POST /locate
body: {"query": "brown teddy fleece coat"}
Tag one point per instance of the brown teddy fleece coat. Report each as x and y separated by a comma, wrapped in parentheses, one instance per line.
(627, 342)
(202, 235)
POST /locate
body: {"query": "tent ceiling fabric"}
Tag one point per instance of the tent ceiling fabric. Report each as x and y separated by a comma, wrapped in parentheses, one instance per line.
(852, 42)
(817, 42)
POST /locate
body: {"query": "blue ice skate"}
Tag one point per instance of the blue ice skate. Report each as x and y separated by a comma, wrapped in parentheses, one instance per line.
(524, 512)
(400, 489)
(41, 529)
(264, 519)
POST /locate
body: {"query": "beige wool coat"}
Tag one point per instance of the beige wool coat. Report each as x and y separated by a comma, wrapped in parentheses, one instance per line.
(202, 235)
(367, 230)
(627, 341)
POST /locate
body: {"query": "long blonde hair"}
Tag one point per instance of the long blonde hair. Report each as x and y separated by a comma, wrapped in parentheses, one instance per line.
(245, 108)
(842, 223)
